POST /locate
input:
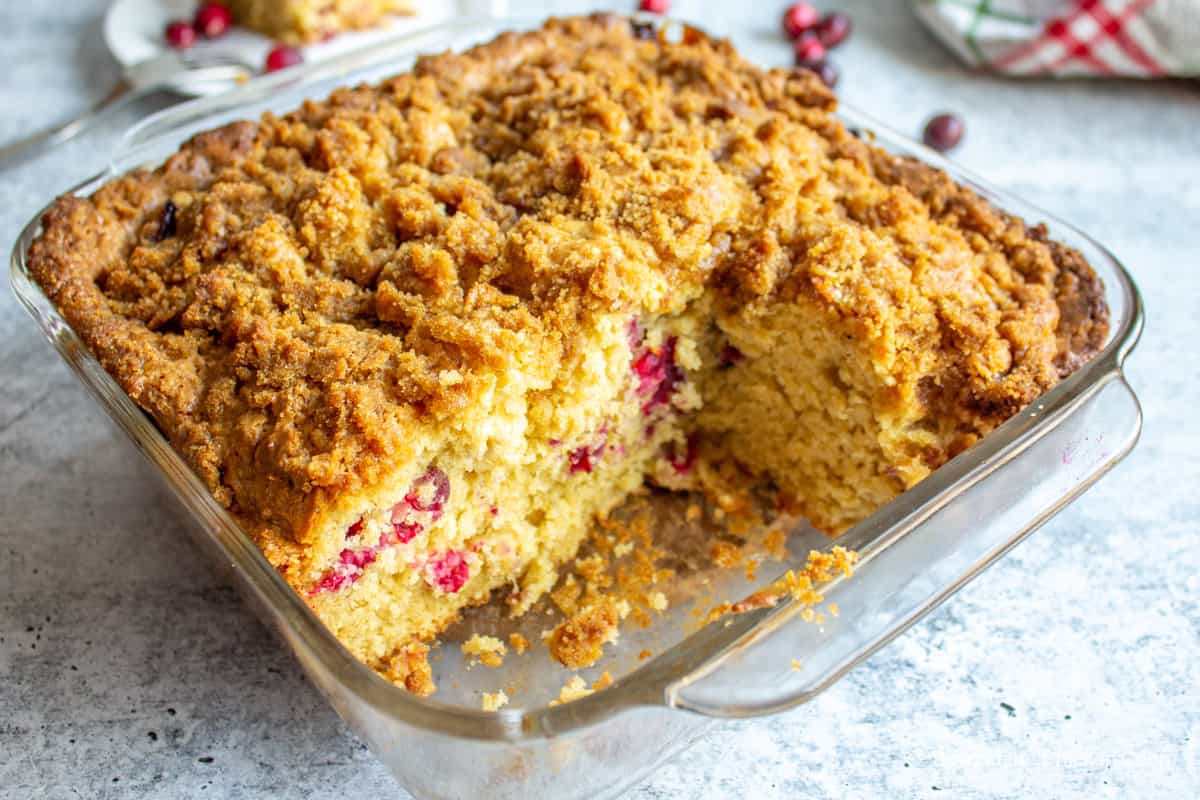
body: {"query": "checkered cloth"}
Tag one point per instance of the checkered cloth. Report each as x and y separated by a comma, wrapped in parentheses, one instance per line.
(1131, 38)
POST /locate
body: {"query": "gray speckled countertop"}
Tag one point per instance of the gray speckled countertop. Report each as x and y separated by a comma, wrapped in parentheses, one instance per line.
(1070, 669)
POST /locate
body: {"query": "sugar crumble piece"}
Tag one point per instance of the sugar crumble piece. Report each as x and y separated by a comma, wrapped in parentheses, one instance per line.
(644, 654)
(623, 549)
(488, 649)
(579, 641)
(657, 601)
(494, 701)
(519, 643)
(605, 681)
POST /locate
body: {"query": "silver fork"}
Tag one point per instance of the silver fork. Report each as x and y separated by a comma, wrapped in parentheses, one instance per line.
(171, 70)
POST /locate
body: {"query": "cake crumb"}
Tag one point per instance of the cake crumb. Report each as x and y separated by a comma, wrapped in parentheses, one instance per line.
(623, 549)
(519, 643)
(658, 601)
(796, 665)
(579, 641)
(644, 654)
(834, 610)
(605, 681)
(726, 554)
(488, 649)
(409, 667)
(494, 701)
(575, 689)
(693, 512)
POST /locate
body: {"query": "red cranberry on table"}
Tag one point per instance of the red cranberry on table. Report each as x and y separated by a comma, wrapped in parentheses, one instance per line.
(823, 69)
(282, 57)
(798, 18)
(213, 20)
(655, 6)
(833, 29)
(944, 131)
(809, 49)
(180, 35)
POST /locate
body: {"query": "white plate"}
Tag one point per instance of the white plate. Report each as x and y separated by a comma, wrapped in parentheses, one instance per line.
(133, 30)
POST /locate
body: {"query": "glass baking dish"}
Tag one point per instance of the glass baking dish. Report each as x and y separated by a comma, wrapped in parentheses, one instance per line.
(915, 552)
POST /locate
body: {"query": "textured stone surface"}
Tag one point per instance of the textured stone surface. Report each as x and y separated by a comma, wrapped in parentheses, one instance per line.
(1070, 669)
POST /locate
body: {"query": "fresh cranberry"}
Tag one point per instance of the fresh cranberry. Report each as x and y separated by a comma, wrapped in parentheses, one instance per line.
(655, 6)
(944, 131)
(447, 572)
(213, 20)
(282, 57)
(798, 18)
(823, 69)
(730, 355)
(809, 49)
(355, 529)
(359, 559)
(180, 35)
(417, 495)
(833, 29)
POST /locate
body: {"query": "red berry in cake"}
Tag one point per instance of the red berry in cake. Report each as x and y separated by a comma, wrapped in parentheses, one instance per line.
(213, 20)
(430, 492)
(584, 459)
(798, 18)
(651, 369)
(682, 459)
(402, 531)
(833, 29)
(354, 529)
(282, 57)
(809, 49)
(180, 35)
(944, 131)
(655, 6)
(823, 69)
(730, 355)
(447, 572)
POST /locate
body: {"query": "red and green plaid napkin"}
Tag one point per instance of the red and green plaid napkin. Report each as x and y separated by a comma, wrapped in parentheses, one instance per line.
(1131, 38)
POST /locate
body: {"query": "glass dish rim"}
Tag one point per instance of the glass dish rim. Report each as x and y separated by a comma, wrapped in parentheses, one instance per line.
(698, 654)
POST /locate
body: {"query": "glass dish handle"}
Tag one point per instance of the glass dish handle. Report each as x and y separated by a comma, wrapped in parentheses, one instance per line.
(782, 660)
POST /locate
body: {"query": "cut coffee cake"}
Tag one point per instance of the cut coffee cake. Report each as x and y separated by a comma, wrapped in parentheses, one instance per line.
(416, 337)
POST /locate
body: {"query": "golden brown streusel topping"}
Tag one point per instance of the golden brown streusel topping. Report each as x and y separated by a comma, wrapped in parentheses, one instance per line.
(291, 299)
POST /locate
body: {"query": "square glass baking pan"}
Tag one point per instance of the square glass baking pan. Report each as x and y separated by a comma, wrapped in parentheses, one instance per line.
(915, 552)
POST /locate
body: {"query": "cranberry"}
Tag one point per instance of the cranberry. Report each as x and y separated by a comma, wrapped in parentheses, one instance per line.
(944, 131)
(402, 530)
(583, 459)
(730, 355)
(833, 29)
(651, 369)
(180, 35)
(213, 20)
(447, 572)
(658, 375)
(419, 498)
(809, 49)
(823, 69)
(655, 6)
(282, 57)
(798, 18)
(354, 529)
(683, 459)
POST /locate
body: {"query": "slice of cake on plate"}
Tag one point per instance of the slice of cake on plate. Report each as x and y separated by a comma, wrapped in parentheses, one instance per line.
(305, 21)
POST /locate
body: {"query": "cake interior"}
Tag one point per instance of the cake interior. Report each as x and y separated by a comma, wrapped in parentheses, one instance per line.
(685, 401)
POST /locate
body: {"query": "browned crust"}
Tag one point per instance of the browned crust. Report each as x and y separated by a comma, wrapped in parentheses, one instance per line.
(330, 266)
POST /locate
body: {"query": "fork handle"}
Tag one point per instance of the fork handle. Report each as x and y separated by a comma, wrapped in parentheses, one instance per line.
(42, 140)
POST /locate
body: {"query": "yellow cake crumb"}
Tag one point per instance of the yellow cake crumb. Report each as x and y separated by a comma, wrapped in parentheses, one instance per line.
(494, 701)
(519, 643)
(657, 601)
(575, 689)
(605, 681)
(579, 641)
(488, 649)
